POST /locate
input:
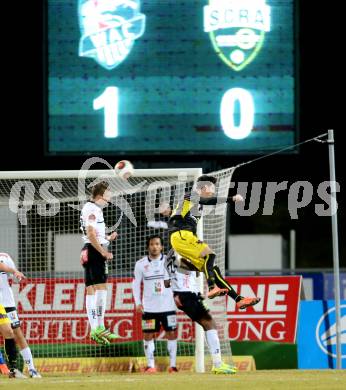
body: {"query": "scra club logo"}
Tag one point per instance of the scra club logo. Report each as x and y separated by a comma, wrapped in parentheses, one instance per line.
(237, 29)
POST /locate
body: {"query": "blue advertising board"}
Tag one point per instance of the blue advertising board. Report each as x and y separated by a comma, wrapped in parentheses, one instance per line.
(317, 334)
(329, 285)
(313, 285)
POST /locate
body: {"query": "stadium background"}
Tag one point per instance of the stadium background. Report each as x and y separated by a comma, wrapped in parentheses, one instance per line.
(23, 141)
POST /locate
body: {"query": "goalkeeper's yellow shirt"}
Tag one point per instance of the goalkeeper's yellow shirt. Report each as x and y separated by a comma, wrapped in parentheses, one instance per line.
(187, 214)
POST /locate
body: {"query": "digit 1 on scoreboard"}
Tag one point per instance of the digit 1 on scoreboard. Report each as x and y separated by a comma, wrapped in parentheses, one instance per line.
(109, 100)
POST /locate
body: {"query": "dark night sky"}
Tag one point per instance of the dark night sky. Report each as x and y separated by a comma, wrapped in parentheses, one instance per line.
(319, 79)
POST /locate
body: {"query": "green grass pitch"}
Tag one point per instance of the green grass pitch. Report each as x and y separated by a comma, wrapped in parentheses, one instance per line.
(258, 380)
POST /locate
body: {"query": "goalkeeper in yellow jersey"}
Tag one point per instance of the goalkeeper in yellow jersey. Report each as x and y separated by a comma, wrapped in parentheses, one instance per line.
(196, 254)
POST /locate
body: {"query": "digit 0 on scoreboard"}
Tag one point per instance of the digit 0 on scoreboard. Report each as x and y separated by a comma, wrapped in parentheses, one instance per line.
(171, 77)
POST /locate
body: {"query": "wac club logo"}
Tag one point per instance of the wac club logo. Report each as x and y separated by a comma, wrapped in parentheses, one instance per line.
(237, 29)
(109, 29)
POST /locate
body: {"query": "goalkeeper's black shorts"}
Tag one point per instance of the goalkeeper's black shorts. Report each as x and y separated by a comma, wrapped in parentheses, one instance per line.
(192, 305)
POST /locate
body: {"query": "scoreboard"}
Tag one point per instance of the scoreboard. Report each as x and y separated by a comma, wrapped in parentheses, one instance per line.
(170, 76)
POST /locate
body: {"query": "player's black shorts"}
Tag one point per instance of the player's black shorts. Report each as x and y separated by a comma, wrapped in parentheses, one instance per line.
(192, 305)
(13, 316)
(95, 266)
(151, 322)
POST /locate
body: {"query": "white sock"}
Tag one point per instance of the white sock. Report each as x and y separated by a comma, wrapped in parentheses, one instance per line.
(172, 350)
(27, 357)
(214, 346)
(149, 348)
(101, 301)
(91, 311)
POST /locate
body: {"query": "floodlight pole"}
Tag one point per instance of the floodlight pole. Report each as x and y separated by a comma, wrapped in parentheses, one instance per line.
(199, 332)
(335, 246)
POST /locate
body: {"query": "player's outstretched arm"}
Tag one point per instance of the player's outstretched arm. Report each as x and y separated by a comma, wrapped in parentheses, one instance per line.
(5, 268)
(219, 200)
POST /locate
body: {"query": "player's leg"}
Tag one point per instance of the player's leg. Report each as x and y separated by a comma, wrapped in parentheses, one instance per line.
(150, 325)
(96, 273)
(10, 345)
(212, 338)
(169, 324)
(87, 262)
(19, 338)
(100, 279)
(217, 285)
(222, 283)
(101, 302)
(242, 302)
(99, 333)
(215, 288)
(90, 304)
(25, 351)
(149, 349)
(187, 245)
(10, 349)
(213, 341)
(193, 305)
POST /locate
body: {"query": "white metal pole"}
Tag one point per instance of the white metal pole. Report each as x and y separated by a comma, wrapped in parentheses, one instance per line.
(292, 249)
(199, 335)
(75, 174)
(199, 332)
(335, 245)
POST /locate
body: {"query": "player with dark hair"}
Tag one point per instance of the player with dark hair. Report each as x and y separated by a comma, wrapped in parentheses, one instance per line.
(156, 304)
(94, 259)
(197, 254)
(190, 301)
(6, 329)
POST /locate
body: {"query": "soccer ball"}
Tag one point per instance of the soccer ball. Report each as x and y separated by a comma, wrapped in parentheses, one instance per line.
(124, 169)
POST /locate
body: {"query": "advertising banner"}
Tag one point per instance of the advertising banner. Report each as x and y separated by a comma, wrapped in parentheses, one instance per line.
(52, 310)
(313, 285)
(126, 365)
(317, 334)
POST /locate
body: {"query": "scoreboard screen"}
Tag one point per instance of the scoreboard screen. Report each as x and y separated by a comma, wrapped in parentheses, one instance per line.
(170, 77)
